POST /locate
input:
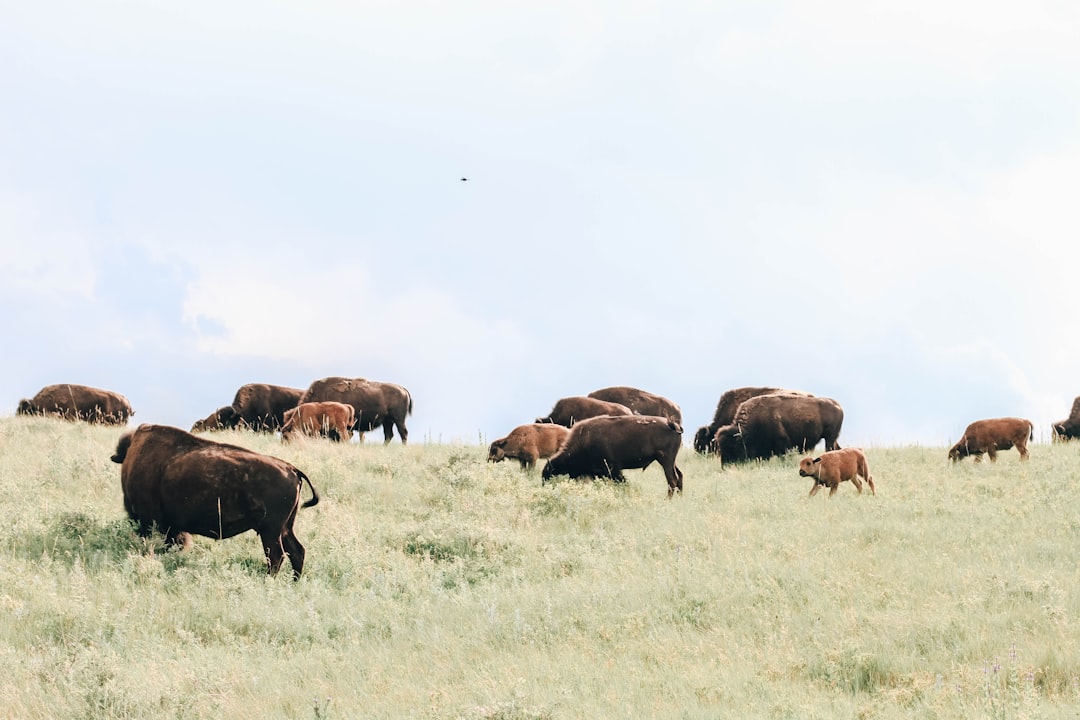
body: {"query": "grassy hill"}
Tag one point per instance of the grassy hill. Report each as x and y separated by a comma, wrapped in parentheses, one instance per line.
(440, 586)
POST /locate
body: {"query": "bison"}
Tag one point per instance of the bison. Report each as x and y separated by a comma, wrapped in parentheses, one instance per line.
(836, 466)
(79, 402)
(725, 413)
(374, 403)
(319, 418)
(184, 484)
(769, 425)
(640, 401)
(223, 418)
(528, 443)
(604, 446)
(1069, 428)
(262, 407)
(989, 436)
(570, 410)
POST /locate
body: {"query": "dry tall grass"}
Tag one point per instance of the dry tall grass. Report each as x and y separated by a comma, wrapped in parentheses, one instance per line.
(439, 586)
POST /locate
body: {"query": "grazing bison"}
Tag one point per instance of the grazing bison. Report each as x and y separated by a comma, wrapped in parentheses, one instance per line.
(224, 418)
(570, 410)
(262, 407)
(640, 401)
(769, 425)
(79, 402)
(725, 413)
(1069, 428)
(836, 466)
(989, 436)
(319, 418)
(374, 403)
(528, 443)
(604, 446)
(184, 484)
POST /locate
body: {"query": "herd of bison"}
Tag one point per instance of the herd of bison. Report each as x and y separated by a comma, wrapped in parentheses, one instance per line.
(183, 483)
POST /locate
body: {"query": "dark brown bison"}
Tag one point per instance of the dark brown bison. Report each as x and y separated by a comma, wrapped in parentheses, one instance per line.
(989, 436)
(79, 402)
(725, 412)
(604, 446)
(375, 403)
(319, 418)
(529, 443)
(184, 484)
(1069, 428)
(836, 466)
(570, 410)
(223, 418)
(769, 425)
(262, 407)
(640, 401)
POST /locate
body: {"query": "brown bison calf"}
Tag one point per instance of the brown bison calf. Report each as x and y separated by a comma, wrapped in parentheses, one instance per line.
(989, 436)
(319, 418)
(836, 466)
(529, 443)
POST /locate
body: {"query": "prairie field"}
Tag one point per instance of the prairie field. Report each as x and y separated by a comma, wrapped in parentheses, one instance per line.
(438, 586)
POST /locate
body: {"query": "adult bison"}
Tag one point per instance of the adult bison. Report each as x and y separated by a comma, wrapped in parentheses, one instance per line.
(989, 436)
(570, 410)
(375, 403)
(640, 401)
(725, 413)
(223, 418)
(319, 418)
(79, 402)
(262, 407)
(604, 446)
(769, 425)
(1069, 428)
(184, 484)
(529, 443)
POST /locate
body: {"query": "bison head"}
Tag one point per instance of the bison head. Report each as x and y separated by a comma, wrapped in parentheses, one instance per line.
(959, 451)
(496, 452)
(702, 440)
(809, 467)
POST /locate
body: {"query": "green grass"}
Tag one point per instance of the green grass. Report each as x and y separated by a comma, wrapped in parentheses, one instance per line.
(439, 586)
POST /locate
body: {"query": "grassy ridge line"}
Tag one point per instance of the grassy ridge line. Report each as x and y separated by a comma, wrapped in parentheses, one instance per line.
(439, 586)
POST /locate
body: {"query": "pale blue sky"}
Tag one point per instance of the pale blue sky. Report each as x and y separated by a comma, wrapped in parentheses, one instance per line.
(870, 201)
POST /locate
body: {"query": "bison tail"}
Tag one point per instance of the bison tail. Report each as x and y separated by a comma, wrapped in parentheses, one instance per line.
(122, 447)
(314, 493)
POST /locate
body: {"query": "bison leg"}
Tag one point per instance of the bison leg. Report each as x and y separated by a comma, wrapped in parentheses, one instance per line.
(814, 489)
(388, 431)
(857, 483)
(674, 478)
(402, 432)
(273, 549)
(992, 453)
(833, 487)
(295, 551)
(1022, 447)
(870, 482)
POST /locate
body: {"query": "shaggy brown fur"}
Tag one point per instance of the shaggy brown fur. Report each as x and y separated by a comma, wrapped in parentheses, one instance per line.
(570, 410)
(262, 407)
(221, 419)
(836, 466)
(989, 436)
(725, 412)
(605, 446)
(79, 402)
(640, 401)
(375, 403)
(319, 418)
(185, 484)
(529, 443)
